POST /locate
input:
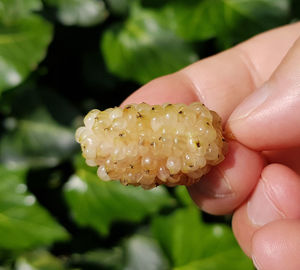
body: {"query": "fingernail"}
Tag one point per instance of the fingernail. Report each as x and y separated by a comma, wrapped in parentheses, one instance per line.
(255, 263)
(261, 209)
(251, 103)
(217, 186)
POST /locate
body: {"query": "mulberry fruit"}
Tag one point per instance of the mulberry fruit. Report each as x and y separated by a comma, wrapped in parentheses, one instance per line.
(149, 145)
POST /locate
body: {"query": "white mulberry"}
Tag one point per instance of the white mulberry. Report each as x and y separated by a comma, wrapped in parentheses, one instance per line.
(149, 145)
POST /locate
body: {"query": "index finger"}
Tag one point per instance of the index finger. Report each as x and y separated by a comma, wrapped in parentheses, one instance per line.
(222, 82)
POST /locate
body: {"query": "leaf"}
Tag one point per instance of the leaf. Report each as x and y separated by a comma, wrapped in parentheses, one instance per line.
(35, 144)
(144, 253)
(78, 12)
(39, 260)
(191, 19)
(200, 20)
(23, 45)
(10, 10)
(136, 252)
(143, 49)
(97, 203)
(189, 243)
(272, 11)
(33, 136)
(2, 267)
(118, 7)
(99, 258)
(23, 222)
(231, 259)
(255, 16)
(183, 196)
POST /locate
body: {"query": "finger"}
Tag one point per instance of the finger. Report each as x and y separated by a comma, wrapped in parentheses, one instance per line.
(224, 80)
(276, 246)
(221, 82)
(226, 187)
(276, 197)
(173, 88)
(269, 118)
(289, 157)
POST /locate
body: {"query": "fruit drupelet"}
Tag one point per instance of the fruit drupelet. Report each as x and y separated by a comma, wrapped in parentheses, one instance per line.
(149, 145)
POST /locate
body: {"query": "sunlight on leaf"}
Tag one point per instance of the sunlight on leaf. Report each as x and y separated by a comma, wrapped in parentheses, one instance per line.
(38, 260)
(96, 203)
(189, 242)
(22, 217)
(112, 258)
(78, 12)
(221, 19)
(26, 37)
(191, 19)
(255, 15)
(144, 253)
(10, 10)
(143, 49)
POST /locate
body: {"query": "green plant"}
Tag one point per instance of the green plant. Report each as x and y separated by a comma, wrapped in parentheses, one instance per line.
(61, 58)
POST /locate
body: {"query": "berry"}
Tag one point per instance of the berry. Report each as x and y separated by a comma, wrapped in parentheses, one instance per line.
(141, 144)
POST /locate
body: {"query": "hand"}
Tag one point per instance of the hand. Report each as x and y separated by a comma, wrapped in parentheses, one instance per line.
(255, 88)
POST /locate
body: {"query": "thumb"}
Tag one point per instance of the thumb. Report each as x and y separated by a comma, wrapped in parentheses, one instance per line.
(276, 246)
(270, 117)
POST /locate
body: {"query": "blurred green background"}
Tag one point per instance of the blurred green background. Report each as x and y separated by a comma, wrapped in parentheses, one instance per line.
(58, 60)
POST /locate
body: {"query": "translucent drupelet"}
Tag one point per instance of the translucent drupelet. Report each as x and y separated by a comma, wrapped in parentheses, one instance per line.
(149, 145)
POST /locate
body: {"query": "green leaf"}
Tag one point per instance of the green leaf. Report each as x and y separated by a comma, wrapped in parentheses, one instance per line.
(10, 10)
(23, 222)
(254, 15)
(183, 196)
(191, 19)
(2, 267)
(200, 20)
(135, 253)
(189, 243)
(97, 203)
(78, 12)
(142, 49)
(23, 45)
(231, 259)
(144, 253)
(39, 260)
(272, 11)
(33, 137)
(119, 7)
(100, 258)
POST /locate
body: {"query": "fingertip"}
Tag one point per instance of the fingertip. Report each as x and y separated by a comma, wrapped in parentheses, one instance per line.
(268, 118)
(243, 229)
(284, 186)
(278, 191)
(276, 246)
(276, 197)
(173, 88)
(229, 184)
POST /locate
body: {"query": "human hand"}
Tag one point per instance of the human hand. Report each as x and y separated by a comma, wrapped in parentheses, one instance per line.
(255, 88)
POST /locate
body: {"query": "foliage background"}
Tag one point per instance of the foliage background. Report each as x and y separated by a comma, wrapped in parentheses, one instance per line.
(61, 58)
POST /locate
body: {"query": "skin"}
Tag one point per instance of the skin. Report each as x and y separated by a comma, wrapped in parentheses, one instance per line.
(255, 88)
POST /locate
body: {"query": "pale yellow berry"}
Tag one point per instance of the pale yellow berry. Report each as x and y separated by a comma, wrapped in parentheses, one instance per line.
(149, 145)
